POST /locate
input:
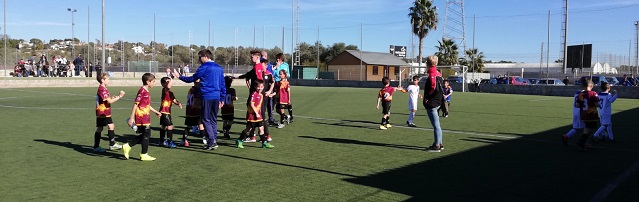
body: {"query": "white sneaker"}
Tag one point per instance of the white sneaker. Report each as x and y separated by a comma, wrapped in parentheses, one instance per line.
(280, 125)
(116, 146)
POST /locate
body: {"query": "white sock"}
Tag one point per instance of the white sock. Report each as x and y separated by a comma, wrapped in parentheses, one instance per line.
(601, 129)
(411, 116)
(571, 132)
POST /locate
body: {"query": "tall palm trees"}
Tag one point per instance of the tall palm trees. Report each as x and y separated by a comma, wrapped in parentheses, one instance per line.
(476, 62)
(447, 52)
(423, 18)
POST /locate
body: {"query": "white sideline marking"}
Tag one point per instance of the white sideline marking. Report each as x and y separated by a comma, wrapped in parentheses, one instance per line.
(612, 185)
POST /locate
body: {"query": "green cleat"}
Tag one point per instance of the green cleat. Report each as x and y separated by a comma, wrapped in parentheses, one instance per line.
(239, 144)
(267, 145)
(126, 149)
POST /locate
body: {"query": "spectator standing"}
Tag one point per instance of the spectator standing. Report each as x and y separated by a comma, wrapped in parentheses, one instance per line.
(79, 64)
(433, 97)
(566, 81)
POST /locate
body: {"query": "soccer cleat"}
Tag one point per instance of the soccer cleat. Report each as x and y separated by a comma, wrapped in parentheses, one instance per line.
(227, 136)
(172, 145)
(185, 143)
(441, 146)
(268, 138)
(388, 125)
(564, 139)
(212, 147)
(204, 141)
(239, 144)
(446, 115)
(382, 127)
(126, 149)
(249, 139)
(146, 157)
(165, 143)
(267, 145)
(280, 125)
(434, 149)
(99, 150)
(411, 124)
(116, 146)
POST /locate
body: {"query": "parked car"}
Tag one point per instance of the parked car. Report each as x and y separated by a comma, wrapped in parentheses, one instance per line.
(532, 81)
(613, 81)
(512, 80)
(595, 79)
(551, 81)
(488, 81)
(455, 79)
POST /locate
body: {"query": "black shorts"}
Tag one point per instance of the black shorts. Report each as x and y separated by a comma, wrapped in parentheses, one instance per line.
(145, 130)
(165, 120)
(228, 117)
(254, 124)
(283, 106)
(103, 121)
(386, 106)
(192, 121)
(591, 124)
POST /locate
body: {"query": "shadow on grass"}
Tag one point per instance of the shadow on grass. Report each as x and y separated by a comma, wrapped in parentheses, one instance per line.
(536, 167)
(87, 150)
(348, 125)
(357, 142)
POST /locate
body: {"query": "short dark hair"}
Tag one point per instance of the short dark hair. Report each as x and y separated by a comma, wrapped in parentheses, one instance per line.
(415, 77)
(605, 86)
(258, 82)
(147, 77)
(280, 56)
(228, 80)
(284, 72)
(164, 81)
(385, 80)
(256, 52)
(205, 53)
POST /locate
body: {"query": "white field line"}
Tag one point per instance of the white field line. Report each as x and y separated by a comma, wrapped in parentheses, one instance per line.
(612, 185)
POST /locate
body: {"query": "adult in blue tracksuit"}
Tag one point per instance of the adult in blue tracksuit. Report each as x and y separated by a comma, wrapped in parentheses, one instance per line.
(213, 89)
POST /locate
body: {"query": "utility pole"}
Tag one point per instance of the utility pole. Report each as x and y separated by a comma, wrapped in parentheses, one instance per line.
(637, 47)
(88, 58)
(564, 38)
(103, 62)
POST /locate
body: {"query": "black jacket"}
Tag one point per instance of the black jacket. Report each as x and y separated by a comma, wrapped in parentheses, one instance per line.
(436, 98)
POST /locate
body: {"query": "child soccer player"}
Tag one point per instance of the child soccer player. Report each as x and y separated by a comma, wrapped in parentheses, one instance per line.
(413, 94)
(385, 96)
(254, 118)
(141, 116)
(588, 102)
(193, 101)
(228, 109)
(283, 99)
(448, 94)
(103, 103)
(168, 99)
(577, 124)
(605, 111)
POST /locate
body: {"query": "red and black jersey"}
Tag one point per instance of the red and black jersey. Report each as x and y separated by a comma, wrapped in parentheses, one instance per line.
(193, 101)
(256, 100)
(386, 93)
(228, 108)
(102, 105)
(167, 101)
(143, 112)
(284, 87)
(587, 101)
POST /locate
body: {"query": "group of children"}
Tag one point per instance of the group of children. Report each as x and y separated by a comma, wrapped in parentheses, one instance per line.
(385, 97)
(140, 118)
(588, 108)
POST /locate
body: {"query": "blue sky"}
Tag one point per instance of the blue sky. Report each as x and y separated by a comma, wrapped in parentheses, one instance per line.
(505, 29)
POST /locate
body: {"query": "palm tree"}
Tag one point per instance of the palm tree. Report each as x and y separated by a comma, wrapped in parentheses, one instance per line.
(476, 62)
(447, 52)
(423, 18)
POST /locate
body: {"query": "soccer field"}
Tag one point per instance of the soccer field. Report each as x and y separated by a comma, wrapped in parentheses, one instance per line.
(498, 147)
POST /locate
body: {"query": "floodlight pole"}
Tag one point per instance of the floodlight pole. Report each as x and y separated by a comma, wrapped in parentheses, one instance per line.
(102, 63)
(72, 31)
(637, 47)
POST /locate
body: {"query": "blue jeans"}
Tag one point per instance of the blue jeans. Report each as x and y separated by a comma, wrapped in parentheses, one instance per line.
(209, 119)
(434, 121)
